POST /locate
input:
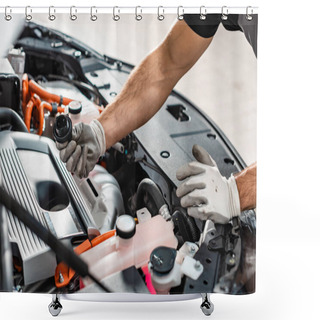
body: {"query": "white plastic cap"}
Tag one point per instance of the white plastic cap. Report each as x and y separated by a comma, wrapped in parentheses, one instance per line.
(125, 226)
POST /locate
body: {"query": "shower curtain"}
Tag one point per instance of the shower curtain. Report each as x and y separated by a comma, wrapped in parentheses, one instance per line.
(129, 196)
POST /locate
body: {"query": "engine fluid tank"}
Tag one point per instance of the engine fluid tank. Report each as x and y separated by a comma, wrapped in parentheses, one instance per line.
(132, 246)
(82, 111)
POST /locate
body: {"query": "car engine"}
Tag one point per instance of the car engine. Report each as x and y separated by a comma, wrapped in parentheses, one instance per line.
(125, 220)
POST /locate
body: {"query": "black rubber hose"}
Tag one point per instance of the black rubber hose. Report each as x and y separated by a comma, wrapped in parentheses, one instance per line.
(195, 232)
(10, 117)
(150, 196)
(186, 225)
(63, 252)
(77, 83)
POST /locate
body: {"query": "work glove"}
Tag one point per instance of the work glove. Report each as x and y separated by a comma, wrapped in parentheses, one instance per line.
(205, 192)
(84, 150)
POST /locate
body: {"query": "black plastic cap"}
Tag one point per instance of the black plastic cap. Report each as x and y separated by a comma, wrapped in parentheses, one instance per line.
(75, 107)
(162, 260)
(62, 129)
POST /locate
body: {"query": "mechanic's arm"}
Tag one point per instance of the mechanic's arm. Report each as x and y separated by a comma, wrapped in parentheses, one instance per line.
(208, 195)
(246, 182)
(145, 91)
(151, 82)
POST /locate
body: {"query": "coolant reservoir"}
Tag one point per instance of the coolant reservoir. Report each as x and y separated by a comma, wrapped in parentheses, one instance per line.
(132, 246)
(82, 111)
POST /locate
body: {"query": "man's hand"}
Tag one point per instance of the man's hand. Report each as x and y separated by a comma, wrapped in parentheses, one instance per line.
(83, 151)
(205, 192)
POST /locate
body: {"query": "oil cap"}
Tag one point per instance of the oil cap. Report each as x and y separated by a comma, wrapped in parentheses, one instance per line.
(74, 107)
(62, 129)
(125, 226)
(162, 260)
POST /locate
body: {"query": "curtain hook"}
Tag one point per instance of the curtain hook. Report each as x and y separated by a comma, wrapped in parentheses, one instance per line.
(116, 17)
(160, 16)
(180, 13)
(28, 10)
(52, 16)
(249, 14)
(7, 11)
(73, 11)
(224, 13)
(203, 13)
(138, 16)
(93, 17)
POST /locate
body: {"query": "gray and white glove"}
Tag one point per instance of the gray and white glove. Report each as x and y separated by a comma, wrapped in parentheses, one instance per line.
(205, 192)
(84, 150)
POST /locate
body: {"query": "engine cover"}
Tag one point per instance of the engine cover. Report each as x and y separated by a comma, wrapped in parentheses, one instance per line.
(31, 171)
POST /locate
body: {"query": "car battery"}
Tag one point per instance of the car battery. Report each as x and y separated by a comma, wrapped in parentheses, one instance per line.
(9, 87)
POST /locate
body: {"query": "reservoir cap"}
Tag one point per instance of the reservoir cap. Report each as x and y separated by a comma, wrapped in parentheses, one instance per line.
(125, 226)
(62, 128)
(74, 107)
(162, 260)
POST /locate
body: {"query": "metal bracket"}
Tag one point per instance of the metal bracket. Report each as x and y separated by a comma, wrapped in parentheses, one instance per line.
(210, 259)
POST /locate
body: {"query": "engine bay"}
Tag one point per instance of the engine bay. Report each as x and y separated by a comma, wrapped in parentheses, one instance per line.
(125, 220)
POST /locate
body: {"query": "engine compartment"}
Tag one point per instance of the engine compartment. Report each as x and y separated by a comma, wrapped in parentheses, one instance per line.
(125, 219)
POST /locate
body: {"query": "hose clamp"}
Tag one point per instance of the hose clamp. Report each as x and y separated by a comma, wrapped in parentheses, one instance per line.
(165, 213)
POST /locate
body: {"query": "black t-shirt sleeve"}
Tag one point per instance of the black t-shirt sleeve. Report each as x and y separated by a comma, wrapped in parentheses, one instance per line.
(235, 22)
(204, 28)
(208, 27)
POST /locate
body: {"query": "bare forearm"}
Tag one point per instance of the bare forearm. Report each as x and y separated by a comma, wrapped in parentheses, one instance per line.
(151, 82)
(247, 187)
(142, 96)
